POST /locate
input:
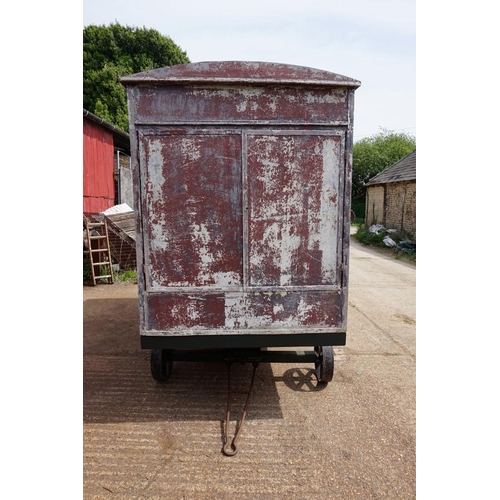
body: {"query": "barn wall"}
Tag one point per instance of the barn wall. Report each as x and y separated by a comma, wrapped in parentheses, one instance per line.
(374, 205)
(401, 206)
(98, 184)
(123, 174)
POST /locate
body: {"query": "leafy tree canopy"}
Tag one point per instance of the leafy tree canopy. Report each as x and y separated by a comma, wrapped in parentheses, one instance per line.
(110, 52)
(373, 154)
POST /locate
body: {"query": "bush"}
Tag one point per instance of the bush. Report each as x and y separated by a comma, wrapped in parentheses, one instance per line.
(404, 248)
(358, 207)
(363, 235)
(87, 271)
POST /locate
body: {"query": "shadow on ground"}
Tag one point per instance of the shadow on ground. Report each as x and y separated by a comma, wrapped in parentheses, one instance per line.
(118, 386)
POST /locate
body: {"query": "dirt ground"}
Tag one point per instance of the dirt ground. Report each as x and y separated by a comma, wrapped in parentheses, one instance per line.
(353, 439)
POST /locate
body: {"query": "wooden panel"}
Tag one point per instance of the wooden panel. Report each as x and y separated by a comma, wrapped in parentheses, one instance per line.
(237, 312)
(294, 208)
(192, 202)
(233, 104)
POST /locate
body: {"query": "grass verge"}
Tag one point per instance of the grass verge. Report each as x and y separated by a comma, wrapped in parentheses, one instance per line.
(129, 276)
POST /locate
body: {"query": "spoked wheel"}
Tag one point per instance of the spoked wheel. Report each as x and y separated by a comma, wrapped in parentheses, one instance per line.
(324, 363)
(161, 364)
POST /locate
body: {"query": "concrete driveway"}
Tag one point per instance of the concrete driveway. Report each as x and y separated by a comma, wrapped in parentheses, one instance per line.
(354, 439)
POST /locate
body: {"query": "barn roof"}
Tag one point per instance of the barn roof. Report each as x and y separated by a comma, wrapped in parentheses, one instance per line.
(403, 170)
(121, 139)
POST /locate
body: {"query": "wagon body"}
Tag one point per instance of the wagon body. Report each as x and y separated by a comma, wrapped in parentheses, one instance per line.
(242, 181)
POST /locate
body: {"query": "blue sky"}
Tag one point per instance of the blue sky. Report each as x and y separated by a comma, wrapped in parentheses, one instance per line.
(370, 40)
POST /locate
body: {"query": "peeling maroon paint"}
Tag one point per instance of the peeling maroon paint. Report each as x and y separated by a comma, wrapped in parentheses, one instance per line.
(173, 311)
(289, 231)
(242, 178)
(232, 311)
(192, 195)
(242, 104)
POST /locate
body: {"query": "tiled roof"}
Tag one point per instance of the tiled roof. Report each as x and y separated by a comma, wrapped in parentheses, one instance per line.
(403, 170)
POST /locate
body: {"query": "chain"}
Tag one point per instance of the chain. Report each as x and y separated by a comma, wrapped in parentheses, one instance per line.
(230, 449)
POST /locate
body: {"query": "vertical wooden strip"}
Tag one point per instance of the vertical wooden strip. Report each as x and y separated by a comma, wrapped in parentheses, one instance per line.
(347, 204)
(245, 208)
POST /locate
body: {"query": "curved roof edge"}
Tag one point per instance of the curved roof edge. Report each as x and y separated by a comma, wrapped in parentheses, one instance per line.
(240, 72)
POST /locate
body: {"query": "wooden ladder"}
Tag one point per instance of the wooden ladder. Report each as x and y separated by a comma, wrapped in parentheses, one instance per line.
(99, 251)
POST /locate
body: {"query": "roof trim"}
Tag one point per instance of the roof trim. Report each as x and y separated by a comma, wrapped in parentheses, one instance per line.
(105, 124)
(227, 72)
(121, 139)
(401, 171)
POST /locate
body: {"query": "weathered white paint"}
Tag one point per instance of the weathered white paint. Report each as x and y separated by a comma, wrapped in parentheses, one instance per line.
(327, 231)
(192, 311)
(229, 278)
(200, 236)
(237, 314)
(190, 149)
(278, 308)
(330, 98)
(211, 93)
(228, 92)
(272, 104)
(302, 312)
(288, 204)
(201, 239)
(156, 180)
(158, 236)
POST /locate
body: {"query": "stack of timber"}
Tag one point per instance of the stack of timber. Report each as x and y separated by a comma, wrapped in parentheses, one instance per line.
(121, 231)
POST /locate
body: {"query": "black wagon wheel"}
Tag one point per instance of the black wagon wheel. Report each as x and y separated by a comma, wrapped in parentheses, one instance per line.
(324, 364)
(161, 364)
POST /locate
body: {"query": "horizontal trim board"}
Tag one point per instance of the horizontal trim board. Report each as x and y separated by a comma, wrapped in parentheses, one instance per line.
(242, 341)
(287, 123)
(250, 289)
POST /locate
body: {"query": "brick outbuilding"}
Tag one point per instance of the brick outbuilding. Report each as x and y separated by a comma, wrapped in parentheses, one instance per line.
(391, 196)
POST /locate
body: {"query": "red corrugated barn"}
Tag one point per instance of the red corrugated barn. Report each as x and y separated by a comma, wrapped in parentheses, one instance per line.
(100, 142)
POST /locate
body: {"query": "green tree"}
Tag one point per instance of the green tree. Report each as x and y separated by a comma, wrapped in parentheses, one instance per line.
(110, 52)
(373, 154)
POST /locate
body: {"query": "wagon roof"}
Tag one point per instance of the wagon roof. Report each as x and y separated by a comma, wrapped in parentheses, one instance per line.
(404, 169)
(241, 72)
